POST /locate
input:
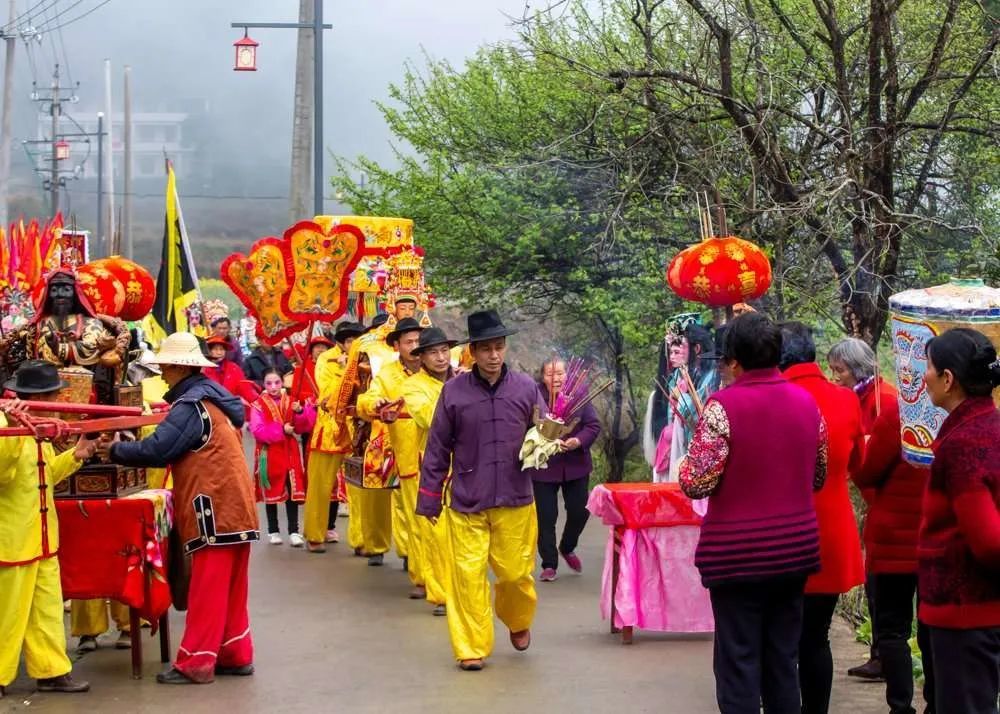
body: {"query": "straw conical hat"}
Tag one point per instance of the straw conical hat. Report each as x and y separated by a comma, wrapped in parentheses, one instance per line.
(181, 348)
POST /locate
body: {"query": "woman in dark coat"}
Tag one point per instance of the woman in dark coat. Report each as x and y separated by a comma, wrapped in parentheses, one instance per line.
(568, 470)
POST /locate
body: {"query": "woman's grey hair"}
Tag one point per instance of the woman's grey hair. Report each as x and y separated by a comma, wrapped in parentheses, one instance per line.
(856, 355)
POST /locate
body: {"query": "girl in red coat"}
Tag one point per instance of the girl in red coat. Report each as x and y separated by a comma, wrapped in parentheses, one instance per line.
(275, 419)
(841, 565)
(958, 552)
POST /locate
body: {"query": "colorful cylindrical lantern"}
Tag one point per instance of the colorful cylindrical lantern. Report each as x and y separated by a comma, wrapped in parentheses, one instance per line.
(916, 317)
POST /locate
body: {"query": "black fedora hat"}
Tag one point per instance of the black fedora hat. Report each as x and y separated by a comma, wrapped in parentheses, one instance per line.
(432, 337)
(407, 324)
(36, 376)
(377, 321)
(348, 329)
(487, 325)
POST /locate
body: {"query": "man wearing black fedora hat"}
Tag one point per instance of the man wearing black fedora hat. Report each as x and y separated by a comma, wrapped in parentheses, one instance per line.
(476, 436)
(31, 603)
(420, 396)
(327, 445)
(381, 406)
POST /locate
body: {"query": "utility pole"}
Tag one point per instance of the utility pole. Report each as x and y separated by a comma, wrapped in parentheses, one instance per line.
(317, 28)
(100, 247)
(301, 178)
(55, 109)
(5, 123)
(127, 140)
(109, 164)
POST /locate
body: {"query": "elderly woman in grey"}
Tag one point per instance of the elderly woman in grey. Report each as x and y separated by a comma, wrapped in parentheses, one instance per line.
(852, 363)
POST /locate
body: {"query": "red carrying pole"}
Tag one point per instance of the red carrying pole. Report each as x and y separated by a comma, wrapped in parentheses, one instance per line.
(76, 408)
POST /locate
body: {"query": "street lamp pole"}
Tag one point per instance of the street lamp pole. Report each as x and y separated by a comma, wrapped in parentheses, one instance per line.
(317, 27)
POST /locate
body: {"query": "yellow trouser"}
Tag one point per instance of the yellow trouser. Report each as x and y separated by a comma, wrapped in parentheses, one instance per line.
(322, 471)
(435, 549)
(157, 478)
(505, 539)
(376, 519)
(406, 529)
(90, 617)
(355, 533)
(31, 614)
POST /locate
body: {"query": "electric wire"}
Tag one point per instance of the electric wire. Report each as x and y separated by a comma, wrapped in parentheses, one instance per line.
(13, 22)
(70, 21)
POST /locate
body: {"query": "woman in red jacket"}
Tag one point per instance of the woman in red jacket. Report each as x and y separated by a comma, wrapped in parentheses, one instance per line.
(839, 544)
(958, 553)
(894, 490)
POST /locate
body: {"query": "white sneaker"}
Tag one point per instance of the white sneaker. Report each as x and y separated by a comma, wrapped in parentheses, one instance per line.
(296, 541)
(332, 536)
(275, 539)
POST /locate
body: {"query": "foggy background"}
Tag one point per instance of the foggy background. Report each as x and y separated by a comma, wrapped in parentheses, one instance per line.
(235, 139)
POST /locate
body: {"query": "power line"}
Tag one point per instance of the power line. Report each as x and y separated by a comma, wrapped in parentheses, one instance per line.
(12, 23)
(220, 197)
(70, 21)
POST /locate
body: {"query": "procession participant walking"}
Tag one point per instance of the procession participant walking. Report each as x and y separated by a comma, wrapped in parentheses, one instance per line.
(222, 327)
(959, 548)
(275, 421)
(841, 566)
(381, 403)
(223, 372)
(420, 395)
(328, 445)
(758, 454)
(477, 433)
(31, 602)
(568, 471)
(214, 511)
(262, 358)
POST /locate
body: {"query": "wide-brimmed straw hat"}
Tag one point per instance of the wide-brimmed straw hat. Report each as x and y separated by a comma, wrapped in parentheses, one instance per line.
(182, 349)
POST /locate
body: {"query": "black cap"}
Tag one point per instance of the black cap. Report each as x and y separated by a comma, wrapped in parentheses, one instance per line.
(407, 324)
(348, 329)
(36, 376)
(432, 337)
(379, 320)
(487, 325)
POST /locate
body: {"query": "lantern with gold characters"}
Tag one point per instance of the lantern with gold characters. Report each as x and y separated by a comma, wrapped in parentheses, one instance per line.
(720, 271)
(140, 289)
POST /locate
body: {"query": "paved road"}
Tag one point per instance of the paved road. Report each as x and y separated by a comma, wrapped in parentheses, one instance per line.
(332, 634)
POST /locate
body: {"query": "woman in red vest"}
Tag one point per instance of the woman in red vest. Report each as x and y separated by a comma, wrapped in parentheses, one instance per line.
(839, 545)
(959, 548)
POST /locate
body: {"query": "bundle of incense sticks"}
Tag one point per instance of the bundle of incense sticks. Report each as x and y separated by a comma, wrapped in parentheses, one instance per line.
(578, 390)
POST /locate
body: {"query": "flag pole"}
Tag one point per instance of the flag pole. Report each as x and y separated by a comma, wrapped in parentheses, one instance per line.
(186, 246)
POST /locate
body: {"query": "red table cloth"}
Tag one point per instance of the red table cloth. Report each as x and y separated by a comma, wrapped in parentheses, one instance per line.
(117, 548)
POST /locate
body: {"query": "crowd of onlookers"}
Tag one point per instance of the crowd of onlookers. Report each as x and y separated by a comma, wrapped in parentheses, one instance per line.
(750, 422)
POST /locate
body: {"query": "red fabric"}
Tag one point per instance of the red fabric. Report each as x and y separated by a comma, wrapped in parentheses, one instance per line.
(109, 549)
(227, 374)
(872, 405)
(841, 566)
(217, 629)
(303, 387)
(894, 490)
(958, 550)
(651, 505)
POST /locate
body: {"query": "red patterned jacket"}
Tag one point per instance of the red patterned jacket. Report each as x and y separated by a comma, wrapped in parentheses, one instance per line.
(959, 548)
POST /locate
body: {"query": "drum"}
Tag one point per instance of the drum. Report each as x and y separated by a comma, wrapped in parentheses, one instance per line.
(916, 317)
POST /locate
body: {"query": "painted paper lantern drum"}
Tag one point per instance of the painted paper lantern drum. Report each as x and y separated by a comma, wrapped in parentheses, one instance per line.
(719, 272)
(140, 288)
(917, 316)
(105, 291)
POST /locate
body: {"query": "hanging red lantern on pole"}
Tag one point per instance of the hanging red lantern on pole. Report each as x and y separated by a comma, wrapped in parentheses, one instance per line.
(246, 53)
(721, 271)
(140, 288)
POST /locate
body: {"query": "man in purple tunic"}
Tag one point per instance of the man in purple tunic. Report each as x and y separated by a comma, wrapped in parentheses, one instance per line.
(477, 431)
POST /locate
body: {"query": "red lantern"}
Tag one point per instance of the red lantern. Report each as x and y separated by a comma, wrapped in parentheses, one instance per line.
(62, 150)
(105, 291)
(246, 53)
(140, 288)
(719, 272)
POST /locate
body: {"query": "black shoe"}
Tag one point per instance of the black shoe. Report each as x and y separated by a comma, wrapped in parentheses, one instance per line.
(65, 684)
(440, 611)
(376, 560)
(406, 563)
(174, 676)
(870, 670)
(242, 671)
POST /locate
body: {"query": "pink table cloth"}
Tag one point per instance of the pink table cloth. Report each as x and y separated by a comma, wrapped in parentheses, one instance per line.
(658, 588)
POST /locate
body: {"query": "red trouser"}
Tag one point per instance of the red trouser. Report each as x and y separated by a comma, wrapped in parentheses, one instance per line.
(217, 630)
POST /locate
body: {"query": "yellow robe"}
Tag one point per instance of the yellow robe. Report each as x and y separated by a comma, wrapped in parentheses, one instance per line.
(421, 393)
(328, 447)
(31, 609)
(388, 385)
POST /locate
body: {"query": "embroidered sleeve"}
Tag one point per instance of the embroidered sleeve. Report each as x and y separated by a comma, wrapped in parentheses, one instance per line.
(701, 468)
(819, 475)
